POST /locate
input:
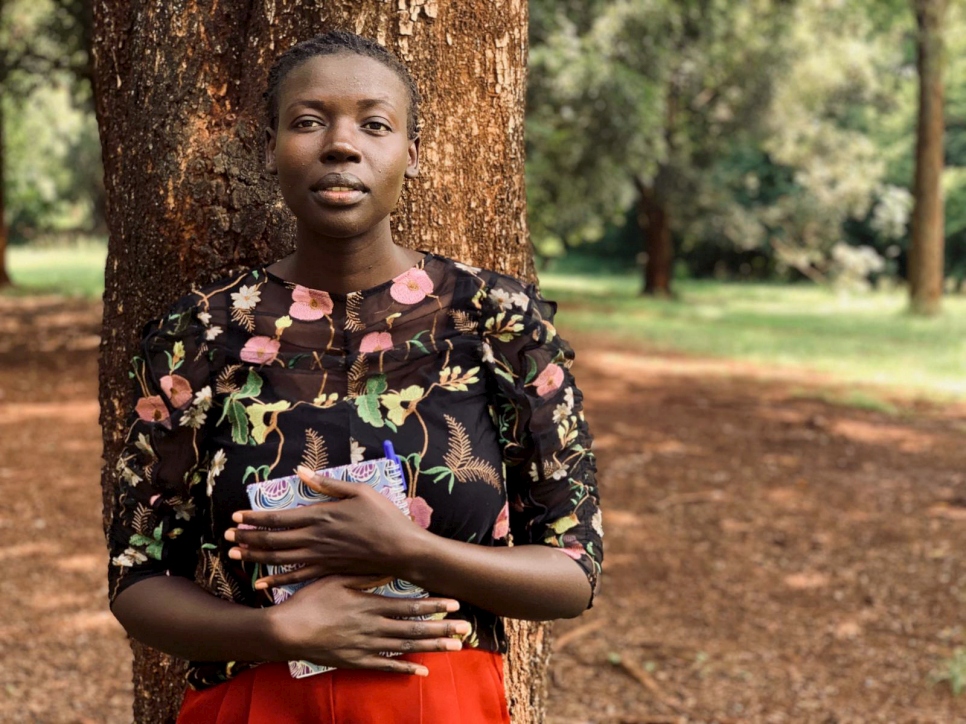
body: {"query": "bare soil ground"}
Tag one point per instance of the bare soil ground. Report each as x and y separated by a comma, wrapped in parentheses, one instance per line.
(771, 557)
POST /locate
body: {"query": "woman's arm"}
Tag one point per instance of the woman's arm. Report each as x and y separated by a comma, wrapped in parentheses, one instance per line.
(329, 622)
(529, 581)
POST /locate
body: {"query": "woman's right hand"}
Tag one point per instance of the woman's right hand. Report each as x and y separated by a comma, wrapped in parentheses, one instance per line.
(331, 622)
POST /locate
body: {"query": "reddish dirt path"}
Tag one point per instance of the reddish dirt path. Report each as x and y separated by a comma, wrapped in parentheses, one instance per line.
(771, 557)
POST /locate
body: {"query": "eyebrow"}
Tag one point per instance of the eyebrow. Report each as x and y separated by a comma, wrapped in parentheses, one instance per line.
(363, 105)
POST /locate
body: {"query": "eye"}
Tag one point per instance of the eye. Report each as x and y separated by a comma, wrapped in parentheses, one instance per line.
(308, 122)
(377, 126)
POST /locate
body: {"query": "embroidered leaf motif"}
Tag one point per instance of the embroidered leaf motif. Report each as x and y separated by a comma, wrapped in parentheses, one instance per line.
(256, 413)
(142, 518)
(252, 388)
(314, 457)
(357, 376)
(463, 321)
(367, 403)
(225, 384)
(368, 407)
(217, 582)
(459, 458)
(353, 305)
(414, 342)
(239, 421)
(261, 473)
(244, 318)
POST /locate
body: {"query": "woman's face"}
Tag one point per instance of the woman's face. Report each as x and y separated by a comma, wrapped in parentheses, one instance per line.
(341, 149)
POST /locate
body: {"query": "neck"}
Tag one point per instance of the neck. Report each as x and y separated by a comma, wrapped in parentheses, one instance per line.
(345, 265)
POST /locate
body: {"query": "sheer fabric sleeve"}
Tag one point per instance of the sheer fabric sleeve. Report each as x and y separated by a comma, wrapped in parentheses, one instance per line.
(160, 497)
(550, 469)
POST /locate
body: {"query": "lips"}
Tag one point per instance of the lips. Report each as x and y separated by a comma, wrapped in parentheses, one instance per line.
(339, 189)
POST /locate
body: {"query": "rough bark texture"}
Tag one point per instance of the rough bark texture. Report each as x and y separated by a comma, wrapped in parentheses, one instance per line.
(654, 223)
(178, 91)
(928, 237)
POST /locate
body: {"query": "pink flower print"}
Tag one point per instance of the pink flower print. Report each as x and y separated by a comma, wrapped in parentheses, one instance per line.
(420, 512)
(260, 350)
(549, 381)
(153, 409)
(376, 342)
(177, 388)
(502, 525)
(411, 287)
(309, 304)
(575, 552)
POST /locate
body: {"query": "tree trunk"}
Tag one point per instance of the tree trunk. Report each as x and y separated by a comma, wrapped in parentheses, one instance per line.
(4, 277)
(178, 95)
(926, 252)
(654, 223)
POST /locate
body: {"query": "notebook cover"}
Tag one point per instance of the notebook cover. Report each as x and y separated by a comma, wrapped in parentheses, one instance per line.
(383, 475)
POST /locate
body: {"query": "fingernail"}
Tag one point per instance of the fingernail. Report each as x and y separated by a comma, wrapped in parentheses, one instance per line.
(237, 517)
(421, 672)
(234, 553)
(230, 535)
(452, 606)
(462, 628)
(452, 645)
(302, 470)
(261, 585)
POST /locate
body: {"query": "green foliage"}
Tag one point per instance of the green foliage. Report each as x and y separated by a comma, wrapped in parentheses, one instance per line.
(52, 178)
(776, 133)
(953, 671)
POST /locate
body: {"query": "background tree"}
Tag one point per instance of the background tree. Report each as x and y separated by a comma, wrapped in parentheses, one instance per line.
(646, 100)
(178, 98)
(49, 161)
(926, 272)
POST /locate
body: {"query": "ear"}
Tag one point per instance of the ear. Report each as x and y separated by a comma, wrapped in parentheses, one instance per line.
(412, 169)
(270, 164)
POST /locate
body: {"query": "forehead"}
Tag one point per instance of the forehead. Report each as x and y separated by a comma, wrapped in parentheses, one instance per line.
(345, 75)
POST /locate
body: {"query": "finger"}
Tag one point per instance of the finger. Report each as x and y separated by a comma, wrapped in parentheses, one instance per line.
(278, 558)
(279, 519)
(419, 646)
(414, 630)
(405, 607)
(326, 485)
(306, 573)
(396, 666)
(269, 540)
(368, 582)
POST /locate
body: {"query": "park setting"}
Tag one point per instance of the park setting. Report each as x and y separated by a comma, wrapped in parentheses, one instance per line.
(752, 218)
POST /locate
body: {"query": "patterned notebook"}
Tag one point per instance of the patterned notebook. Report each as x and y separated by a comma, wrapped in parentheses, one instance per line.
(383, 475)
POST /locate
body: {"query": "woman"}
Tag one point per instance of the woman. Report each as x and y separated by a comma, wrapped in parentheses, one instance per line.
(312, 362)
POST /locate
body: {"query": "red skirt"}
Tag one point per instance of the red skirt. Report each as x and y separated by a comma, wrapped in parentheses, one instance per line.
(463, 687)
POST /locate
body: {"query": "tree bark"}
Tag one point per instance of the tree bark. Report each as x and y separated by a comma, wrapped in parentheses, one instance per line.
(926, 252)
(178, 97)
(654, 223)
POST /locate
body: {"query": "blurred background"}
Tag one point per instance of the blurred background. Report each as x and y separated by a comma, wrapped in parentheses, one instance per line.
(721, 197)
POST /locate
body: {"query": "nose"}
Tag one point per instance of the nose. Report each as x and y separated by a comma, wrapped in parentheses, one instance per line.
(339, 147)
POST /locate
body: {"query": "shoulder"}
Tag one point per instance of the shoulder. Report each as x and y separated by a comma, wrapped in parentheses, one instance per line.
(491, 291)
(204, 307)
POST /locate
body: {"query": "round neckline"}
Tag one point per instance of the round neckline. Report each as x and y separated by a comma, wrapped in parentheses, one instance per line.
(421, 264)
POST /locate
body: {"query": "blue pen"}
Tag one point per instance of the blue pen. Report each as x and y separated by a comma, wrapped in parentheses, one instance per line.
(390, 453)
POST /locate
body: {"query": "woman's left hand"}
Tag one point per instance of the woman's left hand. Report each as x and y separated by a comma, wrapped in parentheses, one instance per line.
(362, 533)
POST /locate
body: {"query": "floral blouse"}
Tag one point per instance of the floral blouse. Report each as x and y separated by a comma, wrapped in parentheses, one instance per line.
(245, 380)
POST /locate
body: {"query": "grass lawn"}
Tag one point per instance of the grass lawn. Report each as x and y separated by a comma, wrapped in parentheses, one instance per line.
(74, 271)
(866, 338)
